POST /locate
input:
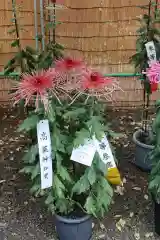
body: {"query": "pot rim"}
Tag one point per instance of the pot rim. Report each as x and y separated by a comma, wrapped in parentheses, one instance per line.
(72, 221)
(136, 140)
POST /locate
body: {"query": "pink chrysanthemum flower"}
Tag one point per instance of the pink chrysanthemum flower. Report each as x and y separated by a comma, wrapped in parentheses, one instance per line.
(69, 73)
(94, 84)
(153, 72)
(94, 80)
(35, 86)
(68, 64)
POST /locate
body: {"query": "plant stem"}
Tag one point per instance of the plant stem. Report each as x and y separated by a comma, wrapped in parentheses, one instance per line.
(17, 31)
(155, 10)
(149, 20)
(147, 112)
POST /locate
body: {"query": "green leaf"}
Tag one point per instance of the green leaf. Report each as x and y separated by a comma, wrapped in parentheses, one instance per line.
(105, 186)
(92, 175)
(63, 205)
(63, 173)
(31, 50)
(82, 185)
(11, 31)
(99, 164)
(49, 199)
(51, 207)
(51, 114)
(96, 128)
(74, 113)
(27, 170)
(29, 123)
(31, 155)
(59, 187)
(36, 171)
(81, 136)
(15, 43)
(90, 205)
(36, 189)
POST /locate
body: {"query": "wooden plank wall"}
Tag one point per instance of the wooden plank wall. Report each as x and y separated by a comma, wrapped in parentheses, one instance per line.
(102, 32)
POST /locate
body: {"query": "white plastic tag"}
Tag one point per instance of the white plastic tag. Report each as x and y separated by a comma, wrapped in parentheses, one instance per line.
(151, 51)
(105, 152)
(84, 154)
(44, 145)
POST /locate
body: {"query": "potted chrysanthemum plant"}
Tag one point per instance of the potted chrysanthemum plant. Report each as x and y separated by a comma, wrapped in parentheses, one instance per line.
(154, 180)
(71, 163)
(147, 52)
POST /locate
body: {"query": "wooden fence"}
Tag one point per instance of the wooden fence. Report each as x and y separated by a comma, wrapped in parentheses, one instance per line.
(102, 32)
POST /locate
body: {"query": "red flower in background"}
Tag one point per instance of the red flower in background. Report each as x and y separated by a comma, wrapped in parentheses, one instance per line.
(94, 80)
(68, 64)
(154, 87)
(35, 85)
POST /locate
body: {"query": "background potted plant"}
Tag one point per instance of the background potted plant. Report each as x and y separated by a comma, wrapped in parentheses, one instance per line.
(154, 181)
(148, 32)
(68, 97)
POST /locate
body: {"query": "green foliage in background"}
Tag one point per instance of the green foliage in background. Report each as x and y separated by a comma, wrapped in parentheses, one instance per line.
(29, 59)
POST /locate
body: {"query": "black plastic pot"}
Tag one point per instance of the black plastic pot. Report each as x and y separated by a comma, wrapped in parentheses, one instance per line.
(142, 152)
(74, 229)
(157, 217)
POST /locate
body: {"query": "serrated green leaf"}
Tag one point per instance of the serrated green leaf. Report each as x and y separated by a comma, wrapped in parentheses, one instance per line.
(36, 188)
(31, 155)
(74, 113)
(27, 170)
(92, 175)
(29, 123)
(36, 171)
(96, 128)
(99, 164)
(58, 187)
(63, 173)
(90, 205)
(82, 185)
(51, 207)
(81, 136)
(49, 199)
(62, 205)
(106, 186)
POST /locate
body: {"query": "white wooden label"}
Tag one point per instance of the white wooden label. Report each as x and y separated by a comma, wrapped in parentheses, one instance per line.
(44, 145)
(151, 51)
(105, 152)
(84, 154)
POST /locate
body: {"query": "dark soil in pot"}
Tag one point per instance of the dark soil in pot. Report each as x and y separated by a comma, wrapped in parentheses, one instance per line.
(142, 150)
(75, 226)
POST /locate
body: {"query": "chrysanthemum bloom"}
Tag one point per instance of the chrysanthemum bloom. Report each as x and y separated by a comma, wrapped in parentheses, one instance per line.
(153, 72)
(94, 80)
(69, 73)
(95, 84)
(68, 64)
(35, 86)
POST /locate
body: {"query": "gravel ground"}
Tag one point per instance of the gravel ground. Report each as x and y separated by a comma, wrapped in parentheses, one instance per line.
(24, 218)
